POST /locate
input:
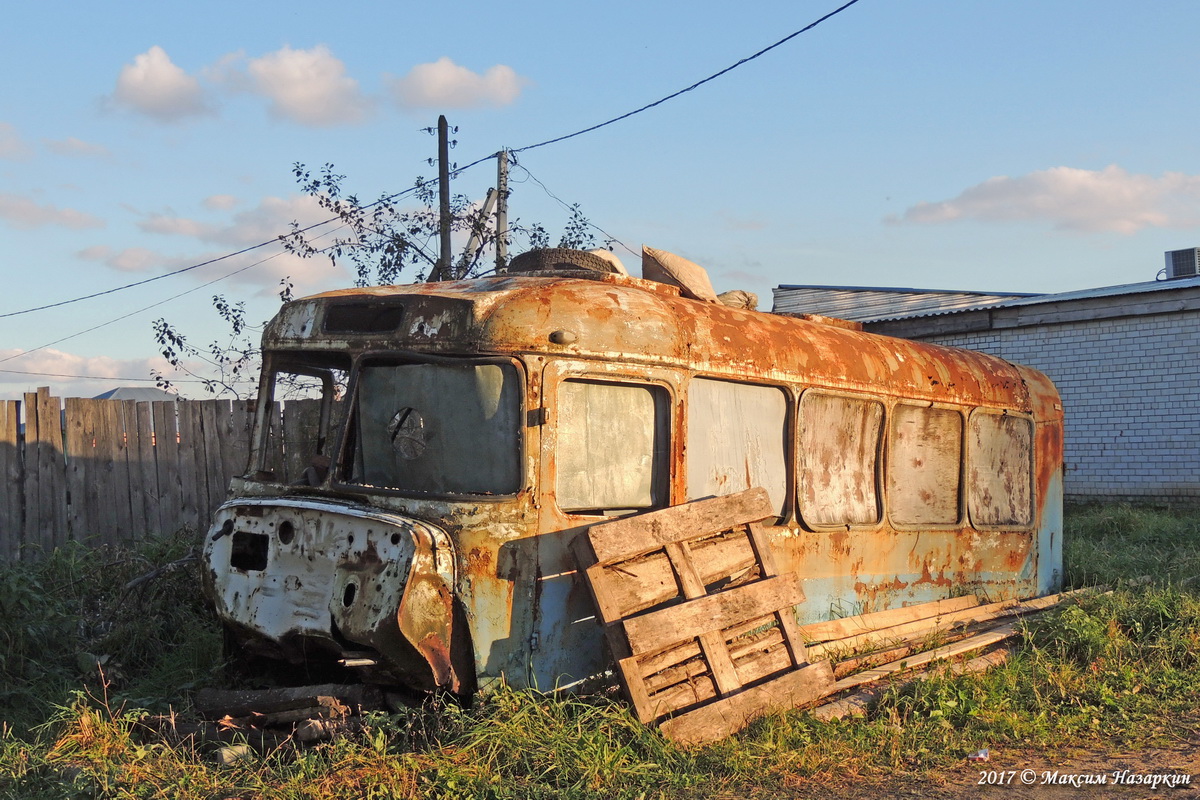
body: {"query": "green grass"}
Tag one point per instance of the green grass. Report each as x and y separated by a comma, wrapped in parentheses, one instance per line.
(1120, 668)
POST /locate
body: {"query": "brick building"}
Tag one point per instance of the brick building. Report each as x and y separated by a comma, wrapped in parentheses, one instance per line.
(1126, 360)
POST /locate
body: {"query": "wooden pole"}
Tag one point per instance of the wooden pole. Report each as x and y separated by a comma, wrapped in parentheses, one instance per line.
(443, 268)
(502, 211)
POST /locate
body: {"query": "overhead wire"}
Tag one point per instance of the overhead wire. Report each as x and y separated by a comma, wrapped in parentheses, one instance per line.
(569, 207)
(94, 377)
(454, 172)
(164, 301)
(695, 85)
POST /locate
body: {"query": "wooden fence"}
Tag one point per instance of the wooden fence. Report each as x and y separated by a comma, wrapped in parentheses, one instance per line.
(114, 471)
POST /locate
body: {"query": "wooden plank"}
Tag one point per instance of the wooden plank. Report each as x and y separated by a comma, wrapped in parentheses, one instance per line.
(214, 419)
(713, 646)
(977, 642)
(726, 716)
(111, 511)
(217, 703)
(237, 451)
(676, 654)
(274, 444)
(301, 421)
(787, 617)
(125, 422)
(79, 456)
(31, 536)
(169, 501)
(683, 695)
(1006, 608)
(643, 533)
(645, 710)
(145, 508)
(857, 704)
(193, 489)
(712, 613)
(864, 623)
(51, 470)
(631, 586)
(12, 489)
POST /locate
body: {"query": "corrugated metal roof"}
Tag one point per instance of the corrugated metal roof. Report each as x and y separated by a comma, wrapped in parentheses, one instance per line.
(875, 304)
(868, 304)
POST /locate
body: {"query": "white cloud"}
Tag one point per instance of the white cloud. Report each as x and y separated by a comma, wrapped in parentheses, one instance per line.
(177, 226)
(76, 147)
(444, 84)
(1089, 201)
(23, 212)
(310, 87)
(263, 223)
(130, 259)
(154, 86)
(11, 145)
(52, 368)
(220, 202)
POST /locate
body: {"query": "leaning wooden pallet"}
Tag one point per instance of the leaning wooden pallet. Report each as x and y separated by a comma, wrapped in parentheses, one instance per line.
(689, 643)
(703, 630)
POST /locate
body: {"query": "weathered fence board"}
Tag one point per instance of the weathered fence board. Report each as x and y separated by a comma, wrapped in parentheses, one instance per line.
(113, 471)
(166, 465)
(12, 501)
(145, 506)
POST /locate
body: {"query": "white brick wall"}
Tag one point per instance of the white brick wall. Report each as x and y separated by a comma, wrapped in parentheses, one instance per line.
(1131, 395)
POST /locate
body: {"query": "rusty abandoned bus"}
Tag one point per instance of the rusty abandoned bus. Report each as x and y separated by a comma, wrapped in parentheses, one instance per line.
(415, 527)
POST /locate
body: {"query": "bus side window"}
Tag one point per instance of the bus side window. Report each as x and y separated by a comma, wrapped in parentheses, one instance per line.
(924, 465)
(736, 439)
(838, 459)
(612, 453)
(999, 469)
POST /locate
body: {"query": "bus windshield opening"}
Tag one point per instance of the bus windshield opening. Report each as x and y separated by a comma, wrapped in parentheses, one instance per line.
(436, 428)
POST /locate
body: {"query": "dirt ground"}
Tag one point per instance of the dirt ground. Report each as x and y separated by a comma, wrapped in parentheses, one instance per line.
(1030, 774)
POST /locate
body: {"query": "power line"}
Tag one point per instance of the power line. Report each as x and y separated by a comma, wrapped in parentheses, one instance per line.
(173, 273)
(93, 377)
(140, 310)
(569, 207)
(453, 174)
(695, 85)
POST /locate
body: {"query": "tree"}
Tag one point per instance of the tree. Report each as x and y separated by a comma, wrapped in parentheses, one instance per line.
(384, 242)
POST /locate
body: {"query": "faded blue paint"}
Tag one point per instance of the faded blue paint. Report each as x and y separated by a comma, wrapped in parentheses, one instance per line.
(1049, 553)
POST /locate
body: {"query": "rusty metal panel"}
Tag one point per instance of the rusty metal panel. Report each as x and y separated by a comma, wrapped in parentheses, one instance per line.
(1000, 469)
(736, 435)
(837, 460)
(924, 465)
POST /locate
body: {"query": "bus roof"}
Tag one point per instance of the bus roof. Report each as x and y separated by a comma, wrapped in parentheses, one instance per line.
(613, 317)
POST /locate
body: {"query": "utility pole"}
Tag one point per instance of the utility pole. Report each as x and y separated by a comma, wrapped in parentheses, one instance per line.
(501, 211)
(443, 267)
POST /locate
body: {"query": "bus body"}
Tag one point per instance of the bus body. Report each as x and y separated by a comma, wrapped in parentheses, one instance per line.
(414, 523)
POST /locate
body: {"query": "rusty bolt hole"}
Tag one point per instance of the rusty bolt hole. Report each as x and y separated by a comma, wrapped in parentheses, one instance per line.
(287, 532)
(348, 595)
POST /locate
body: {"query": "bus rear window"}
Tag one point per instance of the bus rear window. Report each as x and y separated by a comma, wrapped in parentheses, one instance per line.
(437, 428)
(1000, 470)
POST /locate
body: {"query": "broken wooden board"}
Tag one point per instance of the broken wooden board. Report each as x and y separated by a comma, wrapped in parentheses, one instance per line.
(921, 628)
(697, 616)
(858, 703)
(238, 703)
(866, 623)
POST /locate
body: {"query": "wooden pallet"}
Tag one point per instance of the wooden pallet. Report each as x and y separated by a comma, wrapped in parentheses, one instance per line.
(699, 620)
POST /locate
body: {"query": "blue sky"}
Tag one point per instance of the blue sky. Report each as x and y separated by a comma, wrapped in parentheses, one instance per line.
(1001, 146)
